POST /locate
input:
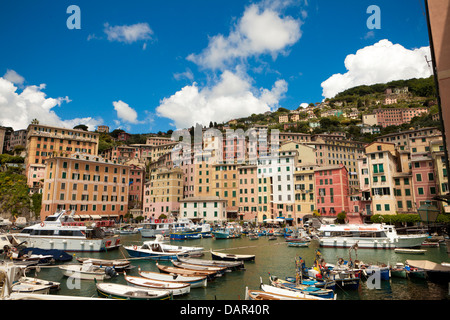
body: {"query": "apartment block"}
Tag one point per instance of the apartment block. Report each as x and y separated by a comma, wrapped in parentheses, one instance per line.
(404, 139)
(87, 184)
(17, 138)
(163, 193)
(397, 116)
(332, 190)
(304, 191)
(248, 193)
(208, 209)
(44, 142)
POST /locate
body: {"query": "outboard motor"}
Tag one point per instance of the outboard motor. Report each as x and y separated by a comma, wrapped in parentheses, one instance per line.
(111, 272)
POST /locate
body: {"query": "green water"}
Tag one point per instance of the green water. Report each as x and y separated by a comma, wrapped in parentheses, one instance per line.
(273, 257)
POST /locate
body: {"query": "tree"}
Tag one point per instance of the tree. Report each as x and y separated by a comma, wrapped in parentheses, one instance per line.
(36, 203)
(341, 217)
(14, 198)
(81, 127)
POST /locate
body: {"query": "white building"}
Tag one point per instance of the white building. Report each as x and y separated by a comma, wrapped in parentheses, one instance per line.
(209, 209)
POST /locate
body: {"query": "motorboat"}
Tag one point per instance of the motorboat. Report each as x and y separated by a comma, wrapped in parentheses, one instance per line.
(230, 265)
(87, 271)
(60, 231)
(118, 264)
(371, 236)
(175, 288)
(180, 228)
(194, 281)
(210, 275)
(125, 292)
(159, 250)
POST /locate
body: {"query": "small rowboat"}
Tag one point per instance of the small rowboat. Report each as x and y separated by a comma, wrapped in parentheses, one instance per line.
(258, 295)
(185, 272)
(118, 265)
(410, 251)
(53, 284)
(293, 294)
(175, 288)
(24, 287)
(232, 257)
(213, 263)
(124, 292)
(298, 244)
(195, 282)
(183, 265)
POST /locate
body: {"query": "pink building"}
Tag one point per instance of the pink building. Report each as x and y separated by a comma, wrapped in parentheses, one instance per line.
(248, 193)
(424, 180)
(332, 190)
(136, 188)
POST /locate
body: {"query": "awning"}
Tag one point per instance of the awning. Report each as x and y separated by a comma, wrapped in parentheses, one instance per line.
(84, 216)
(96, 217)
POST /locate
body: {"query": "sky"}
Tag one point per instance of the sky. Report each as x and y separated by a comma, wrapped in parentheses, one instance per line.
(151, 65)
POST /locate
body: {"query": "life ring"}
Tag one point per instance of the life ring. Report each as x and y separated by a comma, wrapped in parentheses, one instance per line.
(42, 224)
(135, 247)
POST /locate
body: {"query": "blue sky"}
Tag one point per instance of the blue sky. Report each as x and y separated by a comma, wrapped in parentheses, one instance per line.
(165, 73)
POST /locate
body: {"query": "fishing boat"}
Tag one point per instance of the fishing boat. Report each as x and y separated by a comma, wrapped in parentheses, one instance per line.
(182, 265)
(259, 295)
(158, 250)
(383, 270)
(60, 231)
(298, 244)
(24, 287)
(190, 230)
(125, 292)
(399, 271)
(272, 237)
(410, 251)
(230, 265)
(87, 271)
(211, 275)
(127, 229)
(231, 257)
(297, 235)
(371, 236)
(299, 287)
(193, 281)
(253, 236)
(175, 288)
(434, 271)
(118, 264)
(292, 294)
(228, 232)
(54, 286)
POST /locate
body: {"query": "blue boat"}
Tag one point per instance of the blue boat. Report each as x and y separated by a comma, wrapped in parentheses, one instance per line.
(190, 231)
(226, 233)
(303, 288)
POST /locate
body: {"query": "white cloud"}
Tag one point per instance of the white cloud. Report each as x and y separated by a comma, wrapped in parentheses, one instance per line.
(14, 77)
(128, 34)
(379, 63)
(304, 105)
(125, 112)
(184, 75)
(17, 109)
(231, 97)
(261, 30)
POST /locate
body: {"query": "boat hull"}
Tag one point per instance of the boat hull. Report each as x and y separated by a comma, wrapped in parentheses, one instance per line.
(137, 253)
(74, 244)
(231, 257)
(77, 273)
(364, 243)
(123, 292)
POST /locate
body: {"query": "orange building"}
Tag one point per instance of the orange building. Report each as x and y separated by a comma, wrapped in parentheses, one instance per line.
(44, 142)
(87, 184)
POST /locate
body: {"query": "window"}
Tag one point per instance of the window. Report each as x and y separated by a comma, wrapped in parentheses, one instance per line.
(420, 191)
(419, 177)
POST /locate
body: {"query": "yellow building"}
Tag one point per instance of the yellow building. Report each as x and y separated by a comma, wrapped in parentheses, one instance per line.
(440, 170)
(163, 192)
(304, 187)
(44, 142)
(87, 184)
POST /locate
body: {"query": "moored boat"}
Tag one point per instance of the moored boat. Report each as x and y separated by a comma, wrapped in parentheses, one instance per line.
(186, 272)
(60, 231)
(193, 281)
(259, 295)
(230, 265)
(232, 257)
(434, 271)
(175, 288)
(299, 287)
(118, 264)
(187, 266)
(158, 250)
(292, 294)
(410, 251)
(87, 271)
(373, 236)
(125, 292)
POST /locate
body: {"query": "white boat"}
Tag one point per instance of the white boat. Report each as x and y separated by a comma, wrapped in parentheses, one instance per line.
(166, 226)
(53, 284)
(410, 251)
(85, 271)
(118, 264)
(159, 250)
(30, 288)
(125, 292)
(62, 232)
(175, 288)
(231, 257)
(258, 295)
(8, 241)
(373, 236)
(194, 281)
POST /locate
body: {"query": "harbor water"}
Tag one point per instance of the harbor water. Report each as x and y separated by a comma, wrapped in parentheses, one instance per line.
(273, 257)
